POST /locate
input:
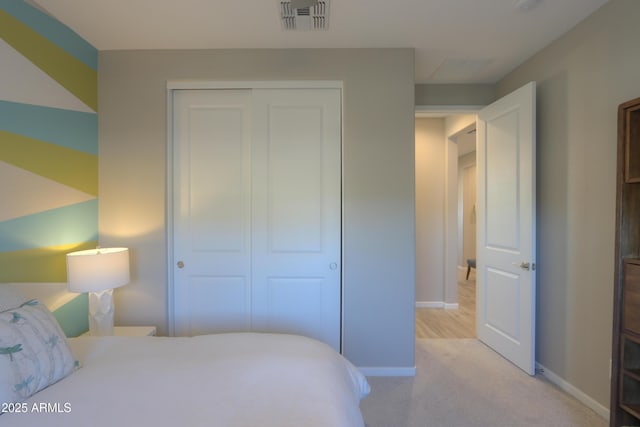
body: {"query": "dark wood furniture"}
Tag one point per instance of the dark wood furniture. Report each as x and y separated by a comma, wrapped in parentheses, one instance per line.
(471, 263)
(625, 361)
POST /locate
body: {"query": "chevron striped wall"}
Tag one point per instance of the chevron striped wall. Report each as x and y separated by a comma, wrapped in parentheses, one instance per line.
(48, 144)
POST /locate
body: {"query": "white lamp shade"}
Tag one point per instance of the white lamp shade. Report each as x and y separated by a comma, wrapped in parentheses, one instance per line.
(96, 270)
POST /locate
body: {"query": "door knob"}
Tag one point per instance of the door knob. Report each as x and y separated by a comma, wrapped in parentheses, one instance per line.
(525, 265)
(333, 265)
(180, 264)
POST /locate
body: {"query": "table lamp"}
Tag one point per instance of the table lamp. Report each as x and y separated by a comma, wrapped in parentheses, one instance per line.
(98, 272)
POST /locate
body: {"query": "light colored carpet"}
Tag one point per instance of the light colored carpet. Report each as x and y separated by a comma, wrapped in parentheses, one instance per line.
(463, 383)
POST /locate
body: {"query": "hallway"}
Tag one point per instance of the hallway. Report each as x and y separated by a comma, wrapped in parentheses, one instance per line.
(460, 323)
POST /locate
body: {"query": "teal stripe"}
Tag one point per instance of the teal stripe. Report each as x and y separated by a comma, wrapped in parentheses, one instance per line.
(72, 129)
(62, 226)
(72, 316)
(53, 30)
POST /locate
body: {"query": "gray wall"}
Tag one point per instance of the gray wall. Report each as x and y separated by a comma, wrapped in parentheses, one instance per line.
(582, 78)
(454, 94)
(378, 179)
(430, 143)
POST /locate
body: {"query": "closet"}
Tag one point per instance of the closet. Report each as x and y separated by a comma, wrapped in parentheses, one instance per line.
(256, 215)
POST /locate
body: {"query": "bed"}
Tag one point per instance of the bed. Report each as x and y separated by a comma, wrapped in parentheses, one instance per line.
(226, 380)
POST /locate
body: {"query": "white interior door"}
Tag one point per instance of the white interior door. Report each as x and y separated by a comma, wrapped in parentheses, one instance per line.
(506, 292)
(257, 208)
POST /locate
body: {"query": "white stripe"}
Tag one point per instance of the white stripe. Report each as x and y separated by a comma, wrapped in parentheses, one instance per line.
(29, 193)
(23, 82)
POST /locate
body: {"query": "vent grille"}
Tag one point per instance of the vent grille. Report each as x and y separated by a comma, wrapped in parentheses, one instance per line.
(315, 18)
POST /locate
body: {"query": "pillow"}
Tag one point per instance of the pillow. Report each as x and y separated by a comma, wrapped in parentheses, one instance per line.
(33, 351)
(10, 297)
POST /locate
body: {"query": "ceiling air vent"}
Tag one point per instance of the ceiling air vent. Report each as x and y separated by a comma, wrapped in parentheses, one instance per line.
(312, 17)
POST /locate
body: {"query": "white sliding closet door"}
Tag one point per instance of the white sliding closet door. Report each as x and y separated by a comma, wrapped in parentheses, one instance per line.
(212, 211)
(257, 211)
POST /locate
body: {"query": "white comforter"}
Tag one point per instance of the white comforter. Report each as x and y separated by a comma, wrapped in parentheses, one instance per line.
(227, 380)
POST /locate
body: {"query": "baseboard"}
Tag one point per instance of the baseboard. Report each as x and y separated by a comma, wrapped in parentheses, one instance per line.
(437, 304)
(573, 391)
(388, 371)
(429, 304)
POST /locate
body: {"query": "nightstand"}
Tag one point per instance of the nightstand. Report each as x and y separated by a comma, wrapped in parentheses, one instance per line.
(132, 331)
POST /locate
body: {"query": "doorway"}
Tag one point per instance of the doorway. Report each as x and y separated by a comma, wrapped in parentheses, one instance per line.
(506, 209)
(445, 182)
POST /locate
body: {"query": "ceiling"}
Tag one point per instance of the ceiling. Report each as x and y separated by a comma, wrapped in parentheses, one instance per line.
(455, 41)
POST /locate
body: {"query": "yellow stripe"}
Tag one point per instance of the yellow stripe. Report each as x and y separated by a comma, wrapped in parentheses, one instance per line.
(61, 164)
(40, 265)
(77, 77)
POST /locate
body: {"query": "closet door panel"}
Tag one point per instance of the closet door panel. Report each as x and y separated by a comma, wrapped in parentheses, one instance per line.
(296, 211)
(212, 211)
(219, 304)
(294, 171)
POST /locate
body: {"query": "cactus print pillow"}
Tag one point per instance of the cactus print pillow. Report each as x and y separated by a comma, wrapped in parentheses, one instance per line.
(33, 351)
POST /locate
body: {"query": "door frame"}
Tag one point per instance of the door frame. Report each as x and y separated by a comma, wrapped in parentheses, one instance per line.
(173, 85)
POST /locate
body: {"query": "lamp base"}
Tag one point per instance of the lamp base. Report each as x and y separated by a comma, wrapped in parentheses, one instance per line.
(101, 313)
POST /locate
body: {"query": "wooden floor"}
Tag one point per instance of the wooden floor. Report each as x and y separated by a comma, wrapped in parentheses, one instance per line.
(459, 323)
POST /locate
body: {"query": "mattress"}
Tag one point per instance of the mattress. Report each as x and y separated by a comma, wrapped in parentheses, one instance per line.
(226, 380)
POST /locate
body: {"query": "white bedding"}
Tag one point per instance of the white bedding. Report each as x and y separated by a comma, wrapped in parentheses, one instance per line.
(227, 380)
